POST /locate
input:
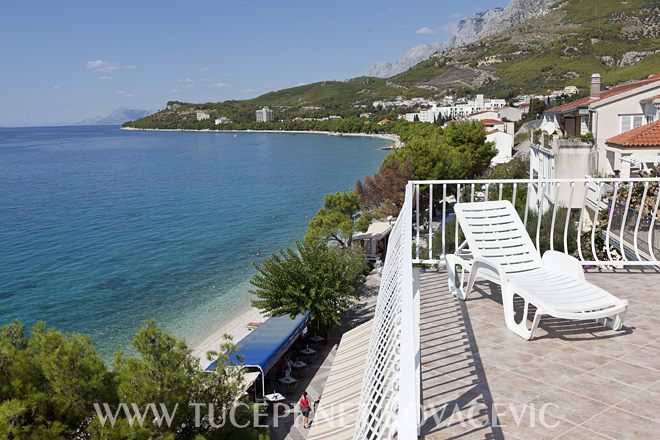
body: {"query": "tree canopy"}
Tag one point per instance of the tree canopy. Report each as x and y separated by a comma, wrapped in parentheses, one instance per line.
(310, 276)
(384, 192)
(338, 219)
(459, 151)
(51, 384)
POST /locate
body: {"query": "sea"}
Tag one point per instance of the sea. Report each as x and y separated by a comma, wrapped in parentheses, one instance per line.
(102, 229)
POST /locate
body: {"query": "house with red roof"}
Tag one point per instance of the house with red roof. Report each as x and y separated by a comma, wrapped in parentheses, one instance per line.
(499, 132)
(637, 149)
(484, 114)
(574, 140)
(605, 114)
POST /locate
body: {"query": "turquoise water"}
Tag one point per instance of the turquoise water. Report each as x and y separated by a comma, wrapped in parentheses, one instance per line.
(102, 229)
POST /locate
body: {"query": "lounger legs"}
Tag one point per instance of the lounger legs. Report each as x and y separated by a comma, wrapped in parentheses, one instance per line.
(519, 328)
(456, 282)
(613, 322)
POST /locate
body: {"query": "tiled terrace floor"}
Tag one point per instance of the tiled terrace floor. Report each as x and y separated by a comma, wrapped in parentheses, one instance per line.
(575, 380)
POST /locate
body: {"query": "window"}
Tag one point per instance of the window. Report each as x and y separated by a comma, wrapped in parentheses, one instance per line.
(625, 123)
(630, 122)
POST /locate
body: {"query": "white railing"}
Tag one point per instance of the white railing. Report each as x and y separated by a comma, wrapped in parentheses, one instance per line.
(611, 221)
(390, 391)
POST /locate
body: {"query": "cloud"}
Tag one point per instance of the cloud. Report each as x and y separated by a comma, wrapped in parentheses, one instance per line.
(125, 94)
(56, 87)
(219, 85)
(175, 90)
(248, 90)
(204, 69)
(105, 66)
(186, 83)
(444, 28)
(426, 31)
(105, 78)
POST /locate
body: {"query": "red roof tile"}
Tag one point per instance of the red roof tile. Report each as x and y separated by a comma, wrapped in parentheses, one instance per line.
(482, 112)
(652, 98)
(491, 121)
(612, 91)
(645, 136)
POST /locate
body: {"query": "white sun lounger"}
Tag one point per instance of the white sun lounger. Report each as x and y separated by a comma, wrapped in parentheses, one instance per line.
(501, 251)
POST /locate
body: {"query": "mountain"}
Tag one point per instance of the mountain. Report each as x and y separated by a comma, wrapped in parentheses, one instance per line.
(468, 30)
(117, 117)
(562, 46)
(570, 41)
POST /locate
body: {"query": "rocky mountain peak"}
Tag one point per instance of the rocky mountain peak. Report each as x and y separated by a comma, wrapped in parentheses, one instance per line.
(467, 30)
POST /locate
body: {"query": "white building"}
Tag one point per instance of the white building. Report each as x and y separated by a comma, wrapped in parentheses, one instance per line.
(202, 116)
(510, 113)
(485, 114)
(222, 120)
(478, 104)
(504, 144)
(575, 135)
(637, 149)
(265, 115)
(501, 133)
(603, 115)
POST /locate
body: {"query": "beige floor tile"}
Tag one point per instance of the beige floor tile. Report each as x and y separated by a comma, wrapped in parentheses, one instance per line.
(502, 357)
(547, 371)
(654, 387)
(578, 358)
(529, 422)
(569, 406)
(516, 387)
(622, 425)
(579, 433)
(648, 356)
(645, 404)
(630, 374)
(470, 357)
(599, 388)
(615, 347)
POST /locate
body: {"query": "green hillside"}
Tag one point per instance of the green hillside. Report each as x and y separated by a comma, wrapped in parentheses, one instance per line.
(619, 39)
(567, 45)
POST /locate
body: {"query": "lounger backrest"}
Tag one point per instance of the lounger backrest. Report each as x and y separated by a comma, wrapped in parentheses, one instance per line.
(494, 231)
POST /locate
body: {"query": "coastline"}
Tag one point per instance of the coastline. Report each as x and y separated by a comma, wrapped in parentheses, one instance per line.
(236, 328)
(388, 136)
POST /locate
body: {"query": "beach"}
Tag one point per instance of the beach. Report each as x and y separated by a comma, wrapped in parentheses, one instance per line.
(236, 328)
(389, 136)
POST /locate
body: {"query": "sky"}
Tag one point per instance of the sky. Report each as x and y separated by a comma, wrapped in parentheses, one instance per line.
(65, 61)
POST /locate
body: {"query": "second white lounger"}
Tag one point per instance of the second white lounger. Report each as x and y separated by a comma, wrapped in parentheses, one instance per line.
(501, 251)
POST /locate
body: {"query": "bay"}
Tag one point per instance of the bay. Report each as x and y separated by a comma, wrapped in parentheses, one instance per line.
(102, 229)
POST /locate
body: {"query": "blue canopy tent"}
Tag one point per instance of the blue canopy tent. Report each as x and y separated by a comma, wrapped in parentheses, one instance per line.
(265, 345)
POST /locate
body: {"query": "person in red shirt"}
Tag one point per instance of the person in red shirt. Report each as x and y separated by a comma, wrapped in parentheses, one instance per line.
(305, 409)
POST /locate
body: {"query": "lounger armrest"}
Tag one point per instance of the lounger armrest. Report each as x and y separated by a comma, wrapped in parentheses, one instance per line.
(479, 263)
(564, 264)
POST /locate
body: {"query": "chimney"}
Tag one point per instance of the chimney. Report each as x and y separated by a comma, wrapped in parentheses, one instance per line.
(595, 85)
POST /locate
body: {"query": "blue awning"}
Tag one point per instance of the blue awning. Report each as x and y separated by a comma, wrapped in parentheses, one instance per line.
(265, 345)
